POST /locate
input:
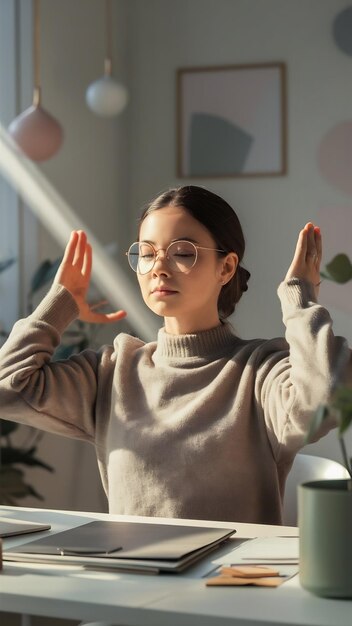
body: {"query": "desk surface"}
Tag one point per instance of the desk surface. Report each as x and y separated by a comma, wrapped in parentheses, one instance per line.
(168, 599)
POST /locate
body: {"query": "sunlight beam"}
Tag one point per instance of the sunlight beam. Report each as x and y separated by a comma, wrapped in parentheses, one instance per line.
(60, 219)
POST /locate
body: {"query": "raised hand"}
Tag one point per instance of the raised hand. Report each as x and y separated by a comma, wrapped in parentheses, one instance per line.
(74, 274)
(307, 257)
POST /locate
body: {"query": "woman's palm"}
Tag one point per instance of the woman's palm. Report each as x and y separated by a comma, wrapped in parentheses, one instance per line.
(74, 274)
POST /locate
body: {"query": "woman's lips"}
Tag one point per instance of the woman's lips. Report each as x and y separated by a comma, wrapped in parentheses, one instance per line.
(162, 291)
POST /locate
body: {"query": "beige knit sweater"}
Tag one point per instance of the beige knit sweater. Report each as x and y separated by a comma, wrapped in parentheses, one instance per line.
(200, 426)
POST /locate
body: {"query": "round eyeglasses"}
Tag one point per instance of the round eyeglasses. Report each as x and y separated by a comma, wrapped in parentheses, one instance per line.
(181, 256)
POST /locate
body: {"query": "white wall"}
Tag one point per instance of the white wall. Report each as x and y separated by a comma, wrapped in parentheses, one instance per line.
(164, 36)
(108, 169)
(88, 170)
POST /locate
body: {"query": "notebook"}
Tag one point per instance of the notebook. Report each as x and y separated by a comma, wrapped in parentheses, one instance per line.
(124, 545)
(9, 527)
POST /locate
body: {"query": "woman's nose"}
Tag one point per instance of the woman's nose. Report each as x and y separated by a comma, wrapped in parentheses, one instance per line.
(161, 265)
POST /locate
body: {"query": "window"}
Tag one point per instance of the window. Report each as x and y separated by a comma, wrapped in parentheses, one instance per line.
(18, 227)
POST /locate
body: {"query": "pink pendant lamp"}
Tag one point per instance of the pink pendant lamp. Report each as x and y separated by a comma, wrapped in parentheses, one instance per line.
(107, 97)
(37, 133)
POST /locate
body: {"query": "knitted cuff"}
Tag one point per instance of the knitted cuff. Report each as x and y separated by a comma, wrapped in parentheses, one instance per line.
(298, 292)
(58, 308)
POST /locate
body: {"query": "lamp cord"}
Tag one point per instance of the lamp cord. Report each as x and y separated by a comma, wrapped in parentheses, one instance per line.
(36, 52)
(108, 30)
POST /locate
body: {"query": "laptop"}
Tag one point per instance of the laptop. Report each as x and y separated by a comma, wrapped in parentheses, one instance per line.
(137, 546)
(10, 527)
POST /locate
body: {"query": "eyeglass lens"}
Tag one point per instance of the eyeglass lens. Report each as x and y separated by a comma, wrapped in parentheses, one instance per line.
(180, 255)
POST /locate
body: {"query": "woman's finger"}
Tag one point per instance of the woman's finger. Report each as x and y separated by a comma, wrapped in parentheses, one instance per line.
(311, 249)
(80, 249)
(116, 316)
(312, 252)
(318, 241)
(103, 318)
(87, 261)
(301, 246)
(70, 248)
(99, 304)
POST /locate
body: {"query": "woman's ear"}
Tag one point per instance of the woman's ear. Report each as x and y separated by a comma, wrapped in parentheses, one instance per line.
(228, 267)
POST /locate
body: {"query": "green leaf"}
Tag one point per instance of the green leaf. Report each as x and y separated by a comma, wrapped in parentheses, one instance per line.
(44, 274)
(6, 427)
(342, 403)
(345, 423)
(319, 416)
(64, 352)
(7, 263)
(13, 487)
(38, 278)
(33, 492)
(10, 455)
(79, 342)
(339, 269)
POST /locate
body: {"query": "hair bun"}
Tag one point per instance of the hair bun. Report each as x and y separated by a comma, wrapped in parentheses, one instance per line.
(244, 276)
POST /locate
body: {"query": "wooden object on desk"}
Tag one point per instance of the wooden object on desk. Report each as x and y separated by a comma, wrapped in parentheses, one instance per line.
(246, 575)
(248, 571)
(232, 581)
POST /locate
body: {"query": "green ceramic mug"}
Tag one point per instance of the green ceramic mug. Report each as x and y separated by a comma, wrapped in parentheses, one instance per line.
(325, 530)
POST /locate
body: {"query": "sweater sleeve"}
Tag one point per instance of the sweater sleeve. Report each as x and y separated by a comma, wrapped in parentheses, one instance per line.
(56, 396)
(290, 386)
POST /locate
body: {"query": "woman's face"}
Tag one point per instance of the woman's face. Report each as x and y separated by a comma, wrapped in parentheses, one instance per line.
(187, 300)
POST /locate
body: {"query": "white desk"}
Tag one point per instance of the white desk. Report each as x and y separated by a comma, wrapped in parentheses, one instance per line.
(163, 600)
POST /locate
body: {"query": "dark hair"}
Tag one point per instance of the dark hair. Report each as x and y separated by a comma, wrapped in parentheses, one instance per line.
(224, 226)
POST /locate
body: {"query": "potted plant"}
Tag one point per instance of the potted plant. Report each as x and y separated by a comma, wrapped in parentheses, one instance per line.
(15, 455)
(325, 506)
(13, 458)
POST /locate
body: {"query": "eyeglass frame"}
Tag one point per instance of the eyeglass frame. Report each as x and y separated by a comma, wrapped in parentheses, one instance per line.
(196, 247)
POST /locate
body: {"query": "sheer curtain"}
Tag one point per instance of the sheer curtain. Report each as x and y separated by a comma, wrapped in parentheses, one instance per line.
(18, 225)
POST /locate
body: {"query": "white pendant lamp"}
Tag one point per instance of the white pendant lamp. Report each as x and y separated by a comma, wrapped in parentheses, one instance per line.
(35, 131)
(107, 97)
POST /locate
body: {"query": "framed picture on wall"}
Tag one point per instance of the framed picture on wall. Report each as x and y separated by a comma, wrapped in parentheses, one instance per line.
(231, 121)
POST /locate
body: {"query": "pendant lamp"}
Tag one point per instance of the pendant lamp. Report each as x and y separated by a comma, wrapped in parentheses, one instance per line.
(37, 133)
(107, 97)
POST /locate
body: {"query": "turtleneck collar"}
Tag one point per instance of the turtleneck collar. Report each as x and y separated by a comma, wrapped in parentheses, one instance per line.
(203, 344)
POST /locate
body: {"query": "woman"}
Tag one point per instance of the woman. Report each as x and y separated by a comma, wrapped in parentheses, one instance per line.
(199, 424)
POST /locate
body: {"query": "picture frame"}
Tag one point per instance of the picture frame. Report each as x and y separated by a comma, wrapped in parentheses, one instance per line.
(232, 121)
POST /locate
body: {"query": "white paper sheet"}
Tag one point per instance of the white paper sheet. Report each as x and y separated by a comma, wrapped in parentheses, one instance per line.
(270, 550)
